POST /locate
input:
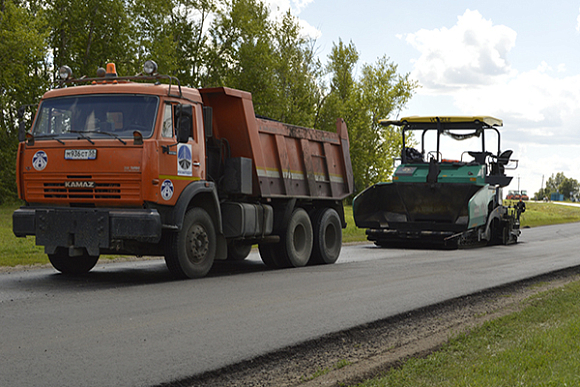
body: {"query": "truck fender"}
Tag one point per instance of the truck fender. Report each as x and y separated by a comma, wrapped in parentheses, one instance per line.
(210, 202)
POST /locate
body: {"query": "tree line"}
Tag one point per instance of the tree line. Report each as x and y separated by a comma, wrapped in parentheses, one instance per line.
(559, 183)
(204, 43)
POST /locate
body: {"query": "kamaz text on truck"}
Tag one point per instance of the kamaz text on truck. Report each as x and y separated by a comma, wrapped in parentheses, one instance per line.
(143, 166)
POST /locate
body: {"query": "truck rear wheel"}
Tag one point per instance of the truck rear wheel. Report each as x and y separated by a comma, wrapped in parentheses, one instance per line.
(190, 252)
(295, 246)
(298, 239)
(327, 236)
(272, 256)
(63, 262)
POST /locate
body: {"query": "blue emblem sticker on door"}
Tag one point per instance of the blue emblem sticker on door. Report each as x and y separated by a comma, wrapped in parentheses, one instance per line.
(40, 160)
(167, 189)
(184, 160)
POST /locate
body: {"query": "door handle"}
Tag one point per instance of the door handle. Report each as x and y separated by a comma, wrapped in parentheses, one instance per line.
(196, 164)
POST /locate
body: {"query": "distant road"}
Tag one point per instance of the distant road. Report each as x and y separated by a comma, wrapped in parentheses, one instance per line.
(130, 324)
(567, 204)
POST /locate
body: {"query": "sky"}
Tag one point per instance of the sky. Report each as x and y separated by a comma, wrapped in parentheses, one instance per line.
(518, 61)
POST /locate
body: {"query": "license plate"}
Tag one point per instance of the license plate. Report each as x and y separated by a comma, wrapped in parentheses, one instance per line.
(80, 154)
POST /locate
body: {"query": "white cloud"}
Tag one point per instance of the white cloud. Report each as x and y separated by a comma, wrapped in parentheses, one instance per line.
(279, 7)
(284, 5)
(540, 107)
(469, 63)
(578, 23)
(471, 53)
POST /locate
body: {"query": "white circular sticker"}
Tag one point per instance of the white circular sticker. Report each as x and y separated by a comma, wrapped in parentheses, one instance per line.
(39, 160)
(167, 189)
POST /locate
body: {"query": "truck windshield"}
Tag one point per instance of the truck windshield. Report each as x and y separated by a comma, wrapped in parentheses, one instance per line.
(96, 116)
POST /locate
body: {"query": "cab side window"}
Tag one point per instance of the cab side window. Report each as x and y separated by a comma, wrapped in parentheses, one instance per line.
(167, 130)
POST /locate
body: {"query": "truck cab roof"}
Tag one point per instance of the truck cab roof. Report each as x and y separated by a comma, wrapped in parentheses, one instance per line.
(109, 87)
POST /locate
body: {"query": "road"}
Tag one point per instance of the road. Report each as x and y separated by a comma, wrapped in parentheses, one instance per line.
(130, 324)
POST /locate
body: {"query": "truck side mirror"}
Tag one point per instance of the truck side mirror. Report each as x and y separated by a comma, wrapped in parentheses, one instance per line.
(208, 121)
(21, 123)
(21, 130)
(184, 122)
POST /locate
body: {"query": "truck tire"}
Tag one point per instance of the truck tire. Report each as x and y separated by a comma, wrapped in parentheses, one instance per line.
(327, 236)
(238, 251)
(66, 264)
(272, 255)
(298, 239)
(295, 246)
(190, 252)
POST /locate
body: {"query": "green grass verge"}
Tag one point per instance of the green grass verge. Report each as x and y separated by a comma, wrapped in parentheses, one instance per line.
(351, 233)
(538, 346)
(23, 251)
(541, 214)
(17, 251)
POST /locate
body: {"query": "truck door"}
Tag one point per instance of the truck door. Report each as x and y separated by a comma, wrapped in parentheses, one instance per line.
(179, 164)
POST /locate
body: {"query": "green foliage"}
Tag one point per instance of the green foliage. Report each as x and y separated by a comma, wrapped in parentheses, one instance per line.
(22, 80)
(379, 93)
(87, 34)
(172, 34)
(559, 183)
(295, 70)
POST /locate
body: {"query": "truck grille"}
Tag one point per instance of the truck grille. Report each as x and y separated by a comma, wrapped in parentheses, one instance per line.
(101, 191)
(83, 188)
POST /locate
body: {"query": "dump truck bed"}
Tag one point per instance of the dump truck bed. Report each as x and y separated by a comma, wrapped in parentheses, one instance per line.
(287, 160)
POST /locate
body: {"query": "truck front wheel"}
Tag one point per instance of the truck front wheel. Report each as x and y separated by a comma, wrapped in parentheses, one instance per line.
(238, 251)
(190, 252)
(63, 262)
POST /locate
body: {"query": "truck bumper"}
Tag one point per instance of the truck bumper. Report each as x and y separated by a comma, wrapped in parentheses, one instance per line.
(92, 229)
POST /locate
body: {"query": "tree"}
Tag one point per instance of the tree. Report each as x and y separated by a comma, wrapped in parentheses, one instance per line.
(243, 55)
(172, 33)
(378, 93)
(87, 34)
(559, 183)
(296, 71)
(337, 103)
(22, 80)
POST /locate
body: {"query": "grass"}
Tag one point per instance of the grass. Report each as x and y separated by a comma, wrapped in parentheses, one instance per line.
(17, 251)
(351, 233)
(540, 214)
(23, 251)
(538, 346)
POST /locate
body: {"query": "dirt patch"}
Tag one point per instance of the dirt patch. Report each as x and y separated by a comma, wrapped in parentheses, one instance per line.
(351, 356)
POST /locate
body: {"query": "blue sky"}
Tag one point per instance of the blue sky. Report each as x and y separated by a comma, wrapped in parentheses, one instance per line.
(518, 61)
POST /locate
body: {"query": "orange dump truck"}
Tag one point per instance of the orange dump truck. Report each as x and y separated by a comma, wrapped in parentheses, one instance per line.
(116, 165)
